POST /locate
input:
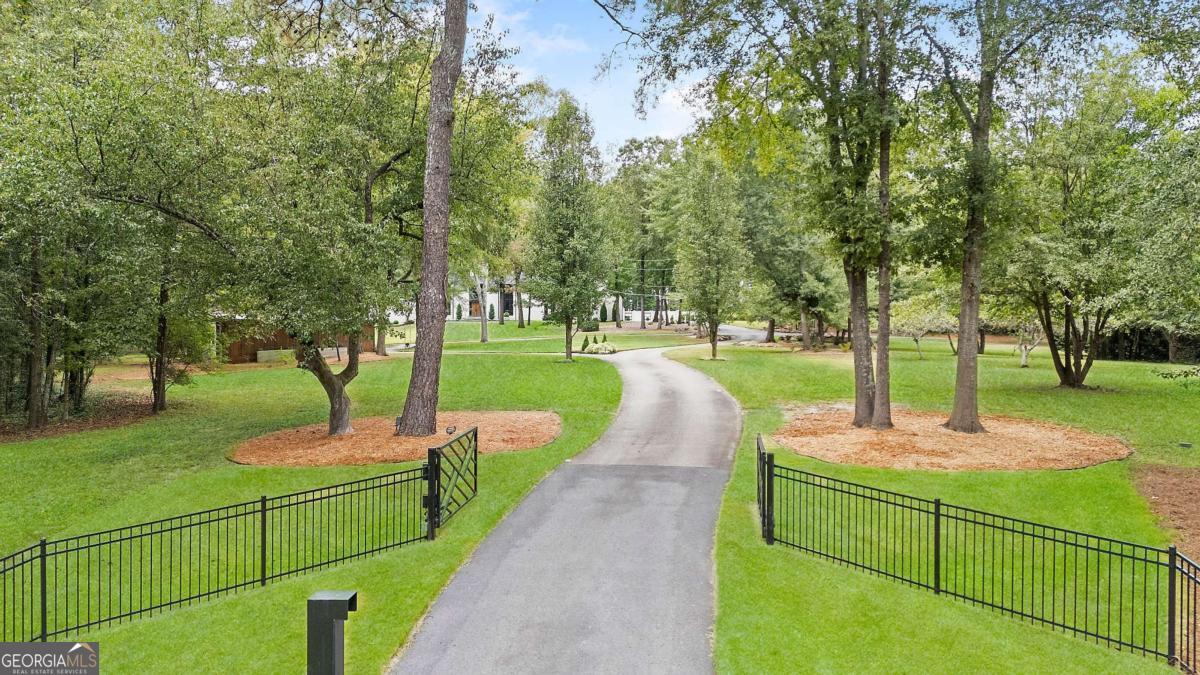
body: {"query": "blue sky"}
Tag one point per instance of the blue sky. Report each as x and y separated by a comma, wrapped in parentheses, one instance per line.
(563, 42)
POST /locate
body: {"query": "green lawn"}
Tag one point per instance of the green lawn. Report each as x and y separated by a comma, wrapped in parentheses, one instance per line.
(458, 331)
(176, 463)
(539, 337)
(554, 344)
(778, 608)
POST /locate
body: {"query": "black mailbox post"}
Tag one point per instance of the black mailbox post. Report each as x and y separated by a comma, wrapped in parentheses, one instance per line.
(327, 612)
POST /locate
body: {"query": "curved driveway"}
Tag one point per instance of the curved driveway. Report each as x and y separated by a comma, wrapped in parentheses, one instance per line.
(607, 565)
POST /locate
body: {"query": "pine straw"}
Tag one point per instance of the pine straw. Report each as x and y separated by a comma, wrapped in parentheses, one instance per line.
(1174, 496)
(919, 441)
(374, 440)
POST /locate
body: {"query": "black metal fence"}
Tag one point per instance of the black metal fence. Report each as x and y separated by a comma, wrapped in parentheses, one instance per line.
(64, 586)
(1127, 596)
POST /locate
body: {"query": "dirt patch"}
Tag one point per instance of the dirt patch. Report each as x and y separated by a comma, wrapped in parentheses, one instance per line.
(374, 440)
(919, 441)
(112, 409)
(1174, 495)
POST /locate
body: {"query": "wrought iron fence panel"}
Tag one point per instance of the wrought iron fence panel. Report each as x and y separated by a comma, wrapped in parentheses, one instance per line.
(64, 586)
(1185, 613)
(1125, 595)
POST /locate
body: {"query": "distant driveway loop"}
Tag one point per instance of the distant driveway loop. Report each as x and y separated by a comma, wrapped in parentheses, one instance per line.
(607, 566)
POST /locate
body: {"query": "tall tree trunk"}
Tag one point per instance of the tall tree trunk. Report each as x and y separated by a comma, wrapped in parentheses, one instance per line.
(770, 330)
(712, 337)
(1172, 347)
(642, 291)
(35, 402)
(964, 416)
(335, 383)
(158, 367)
(481, 287)
(420, 406)
(618, 310)
(881, 415)
(860, 341)
(517, 299)
(75, 385)
(52, 350)
(982, 340)
(805, 333)
(500, 303)
(1046, 318)
(6, 382)
(567, 345)
(381, 333)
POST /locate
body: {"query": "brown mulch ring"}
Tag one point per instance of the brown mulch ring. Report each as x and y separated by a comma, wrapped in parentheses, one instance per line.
(1174, 495)
(919, 441)
(374, 440)
(111, 409)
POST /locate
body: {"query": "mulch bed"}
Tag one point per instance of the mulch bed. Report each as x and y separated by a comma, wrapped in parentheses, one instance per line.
(919, 441)
(374, 440)
(104, 411)
(1174, 495)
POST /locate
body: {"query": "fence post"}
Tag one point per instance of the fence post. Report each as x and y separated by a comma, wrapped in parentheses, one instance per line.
(262, 541)
(42, 556)
(937, 546)
(770, 498)
(1172, 563)
(433, 500)
(758, 484)
(475, 460)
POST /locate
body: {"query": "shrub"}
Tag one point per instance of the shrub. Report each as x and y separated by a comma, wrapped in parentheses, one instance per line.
(589, 325)
(606, 338)
(585, 343)
(458, 312)
(603, 312)
(601, 348)
(491, 312)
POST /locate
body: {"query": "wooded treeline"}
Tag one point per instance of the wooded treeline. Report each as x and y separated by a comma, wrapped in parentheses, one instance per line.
(167, 163)
(1030, 152)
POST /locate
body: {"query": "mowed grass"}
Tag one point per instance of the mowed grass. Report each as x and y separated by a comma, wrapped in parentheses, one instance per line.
(466, 330)
(554, 344)
(783, 611)
(176, 463)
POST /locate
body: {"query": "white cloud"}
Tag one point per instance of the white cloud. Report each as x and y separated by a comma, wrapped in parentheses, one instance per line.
(533, 42)
(673, 115)
(563, 42)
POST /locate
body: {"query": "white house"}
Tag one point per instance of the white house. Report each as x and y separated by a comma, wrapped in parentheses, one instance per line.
(466, 304)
